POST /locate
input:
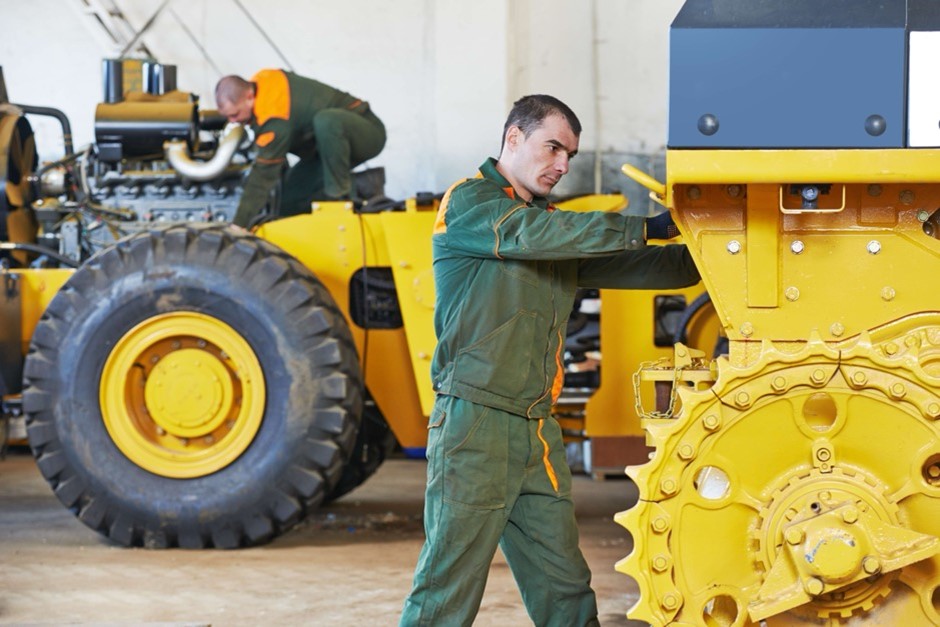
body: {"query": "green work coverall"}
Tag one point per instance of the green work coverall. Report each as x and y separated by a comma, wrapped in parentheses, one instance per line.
(506, 272)
(331, 131)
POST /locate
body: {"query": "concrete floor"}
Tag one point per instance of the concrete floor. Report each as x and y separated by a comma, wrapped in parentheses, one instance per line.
(350, 563)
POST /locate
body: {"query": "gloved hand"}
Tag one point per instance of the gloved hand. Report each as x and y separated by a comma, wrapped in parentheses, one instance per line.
(661, 227)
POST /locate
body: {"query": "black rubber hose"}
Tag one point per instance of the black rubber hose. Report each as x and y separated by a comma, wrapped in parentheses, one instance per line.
(40, 250)
(57, 114)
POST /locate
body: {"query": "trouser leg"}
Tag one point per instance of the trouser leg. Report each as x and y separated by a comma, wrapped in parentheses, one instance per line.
(303, 183)
(465, 512)
(541, 540)
(344, 140)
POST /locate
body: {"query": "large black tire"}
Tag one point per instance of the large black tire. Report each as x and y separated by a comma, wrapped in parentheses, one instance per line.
(261, 401)
(374, 443)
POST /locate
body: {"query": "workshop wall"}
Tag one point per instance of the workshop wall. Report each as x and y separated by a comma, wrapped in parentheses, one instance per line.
(442, 74)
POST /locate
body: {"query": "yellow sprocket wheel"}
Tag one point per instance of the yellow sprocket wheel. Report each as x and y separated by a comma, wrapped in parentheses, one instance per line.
(802, 490)
(182, 394)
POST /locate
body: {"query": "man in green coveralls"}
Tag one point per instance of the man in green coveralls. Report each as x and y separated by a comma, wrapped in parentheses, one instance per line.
(331, 131)
(506, 268)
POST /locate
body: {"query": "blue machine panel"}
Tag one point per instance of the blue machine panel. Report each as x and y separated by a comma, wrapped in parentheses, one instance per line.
(751, 74)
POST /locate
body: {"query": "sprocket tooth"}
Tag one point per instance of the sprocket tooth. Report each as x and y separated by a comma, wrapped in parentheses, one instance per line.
(643, 611)
(640, 476)
(631, 565)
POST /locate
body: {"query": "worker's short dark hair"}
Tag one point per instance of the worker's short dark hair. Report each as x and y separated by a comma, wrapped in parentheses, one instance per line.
(529, 111)
(231, 89)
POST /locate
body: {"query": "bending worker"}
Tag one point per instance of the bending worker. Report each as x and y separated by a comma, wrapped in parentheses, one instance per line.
(331, 131)
(506, 269)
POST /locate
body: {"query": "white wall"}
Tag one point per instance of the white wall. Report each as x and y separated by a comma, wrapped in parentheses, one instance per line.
(441, 74)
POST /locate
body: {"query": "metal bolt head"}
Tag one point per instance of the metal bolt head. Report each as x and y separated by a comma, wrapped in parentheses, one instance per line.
(922, 215)
(734, 247)
(850, 515)
(779, 383)
(660, 563)
(898, 390)
(793, 535)
(933, 410)
(818, 376)
(711, 422)
(797, 247)
(871, 564)
(824, 455)
(734, 191)
(659, 524)
(668, 487)
(837, 329)
(860, 378)
(813, 586)
(906, 197)
(792, 293)
(742, 399)
(694, 192)
(670, 601)
(874, 247)
(888, 293)
(708, 124)
(747, 329)
(874, 189)
(891, 348)
(810, 193)
(686, 452)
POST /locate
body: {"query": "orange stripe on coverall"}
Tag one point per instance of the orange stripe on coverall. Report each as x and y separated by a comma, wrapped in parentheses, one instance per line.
(559, 381)
(548, 464)
(440, 223)
(273, 96)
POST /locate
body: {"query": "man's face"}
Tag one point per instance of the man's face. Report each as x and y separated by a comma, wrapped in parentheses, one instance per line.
(239, 112)
(538, 161)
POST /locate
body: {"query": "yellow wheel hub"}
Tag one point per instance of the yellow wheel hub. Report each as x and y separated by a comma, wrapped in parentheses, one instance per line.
(189, 393)
(803, 488)
(182, 395)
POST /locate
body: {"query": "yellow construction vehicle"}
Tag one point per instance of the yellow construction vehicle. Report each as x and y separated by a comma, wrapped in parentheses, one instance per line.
(188, 384)
(796, 481)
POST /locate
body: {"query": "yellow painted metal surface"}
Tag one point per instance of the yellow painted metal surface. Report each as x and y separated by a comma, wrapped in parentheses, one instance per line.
(793, 264)
(335, 242)
(627, 324)
(803, 486)
(37, 287)
(182, 394)
(408, 236)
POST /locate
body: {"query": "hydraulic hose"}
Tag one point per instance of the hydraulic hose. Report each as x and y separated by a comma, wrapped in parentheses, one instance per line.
(40, 250)
(57, 114)
(178, 156)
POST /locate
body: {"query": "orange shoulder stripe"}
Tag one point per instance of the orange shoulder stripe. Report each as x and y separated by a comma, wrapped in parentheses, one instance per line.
(272, 99)
(440, 223)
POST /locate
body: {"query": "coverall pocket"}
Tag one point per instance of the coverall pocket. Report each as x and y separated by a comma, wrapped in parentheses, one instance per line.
(475, 441)
(480, 365)
(433, 451)
(521, 270)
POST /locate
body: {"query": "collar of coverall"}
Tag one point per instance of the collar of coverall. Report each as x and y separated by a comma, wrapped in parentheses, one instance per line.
(489, 171)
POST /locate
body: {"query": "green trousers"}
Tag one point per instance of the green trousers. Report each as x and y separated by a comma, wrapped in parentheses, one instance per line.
(344, 140)
(496, 478)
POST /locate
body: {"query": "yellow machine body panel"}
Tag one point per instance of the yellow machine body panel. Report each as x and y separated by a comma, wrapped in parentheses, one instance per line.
(746, 224)
(794, 482)
(335, 242)
(37, 287)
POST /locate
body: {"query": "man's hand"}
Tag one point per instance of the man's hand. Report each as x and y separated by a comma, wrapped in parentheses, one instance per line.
(661, 227)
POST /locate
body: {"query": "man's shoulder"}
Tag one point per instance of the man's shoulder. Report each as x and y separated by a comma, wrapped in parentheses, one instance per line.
(475, 189)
